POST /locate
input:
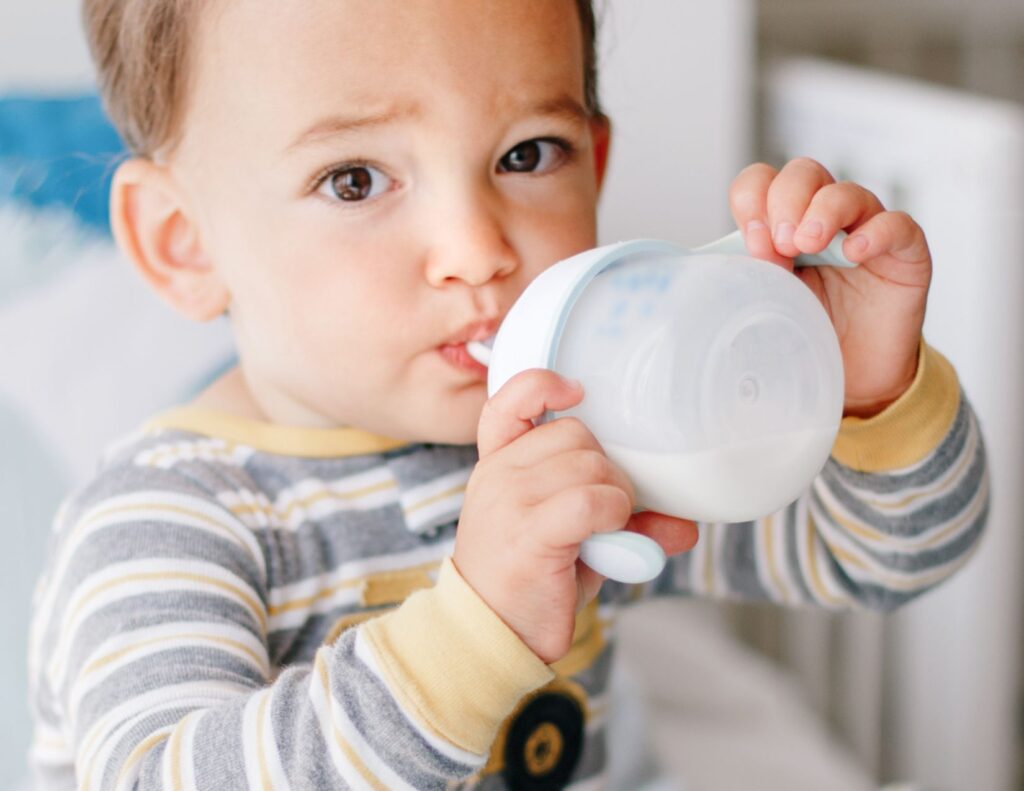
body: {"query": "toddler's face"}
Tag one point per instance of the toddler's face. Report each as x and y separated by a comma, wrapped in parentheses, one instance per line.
(376, 181)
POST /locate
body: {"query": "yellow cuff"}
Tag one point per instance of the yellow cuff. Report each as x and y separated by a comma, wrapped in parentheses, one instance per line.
(453, 663)
(910, 428)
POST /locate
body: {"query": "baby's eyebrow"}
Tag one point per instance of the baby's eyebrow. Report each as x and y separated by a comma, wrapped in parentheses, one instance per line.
(337, 125)
(563, 106)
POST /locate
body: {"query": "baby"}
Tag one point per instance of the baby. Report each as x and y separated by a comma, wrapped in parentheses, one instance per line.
(342, 566)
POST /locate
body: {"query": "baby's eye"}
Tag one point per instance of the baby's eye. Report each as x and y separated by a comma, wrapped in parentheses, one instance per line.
(535, 156)
(354, 183)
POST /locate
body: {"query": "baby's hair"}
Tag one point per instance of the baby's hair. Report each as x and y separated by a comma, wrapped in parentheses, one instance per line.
(142, 56)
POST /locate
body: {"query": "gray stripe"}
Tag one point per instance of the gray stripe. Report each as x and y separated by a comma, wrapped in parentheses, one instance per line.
(929, 470)
(376, 716)
(739, 561)
(791, 553)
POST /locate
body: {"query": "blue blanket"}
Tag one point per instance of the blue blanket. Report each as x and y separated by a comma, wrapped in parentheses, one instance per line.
(58, 152)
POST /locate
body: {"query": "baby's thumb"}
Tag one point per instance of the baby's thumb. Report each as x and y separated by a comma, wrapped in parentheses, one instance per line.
(510, 412)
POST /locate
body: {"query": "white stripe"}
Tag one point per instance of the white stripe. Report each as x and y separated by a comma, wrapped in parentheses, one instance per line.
(168, 455)
(128, 775)
(188, 749)
(138, 507)
(928, 492)
(919, 541)
(597, 712)
(893, 579)
(771, 555)
(121, 588)
(250, 741)
(451, 751)
(278, 778)
(49, 747)
(330, 497)
(839, 596)
(322, 708)
(106, 733)
(188, 633)
(380, 769)
(346, 595)
(417, 515)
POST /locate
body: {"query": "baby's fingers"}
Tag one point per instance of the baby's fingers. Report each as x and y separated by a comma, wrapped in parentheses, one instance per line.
(673, 535)
(510, 412)
(834, 207)
(573, 515)
(892, 234)
(748, 201)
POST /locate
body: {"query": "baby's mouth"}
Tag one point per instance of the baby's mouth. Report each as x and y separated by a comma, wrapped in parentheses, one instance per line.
(481, 350)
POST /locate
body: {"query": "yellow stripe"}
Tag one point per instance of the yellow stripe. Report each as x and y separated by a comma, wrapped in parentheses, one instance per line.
(133, 757)
(326, 593)
(954, 479)
(168, 575)
(177, 509)
(326, 494)
(455, 667)
(709, 561)
(773, 571)
(175, 750)
(812, 563)
(106, 660)
(909, 429)
(587, 643)
(431, 500)
(264, 774)
(352, 756)
(272, 438)
(908, 585)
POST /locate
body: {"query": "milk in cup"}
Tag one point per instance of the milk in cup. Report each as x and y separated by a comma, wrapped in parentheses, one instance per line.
(712, 379)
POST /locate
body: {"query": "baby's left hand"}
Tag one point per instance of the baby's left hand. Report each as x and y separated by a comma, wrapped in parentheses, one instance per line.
(878, 307)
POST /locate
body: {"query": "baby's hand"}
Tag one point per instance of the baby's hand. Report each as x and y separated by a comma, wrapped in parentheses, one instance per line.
(877, 308)
(535, 495)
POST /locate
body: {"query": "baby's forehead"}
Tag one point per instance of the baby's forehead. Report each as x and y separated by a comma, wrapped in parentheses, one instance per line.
(263, 62)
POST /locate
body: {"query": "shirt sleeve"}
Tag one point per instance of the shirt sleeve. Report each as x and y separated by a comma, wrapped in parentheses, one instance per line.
(898, 508)
(151, 660)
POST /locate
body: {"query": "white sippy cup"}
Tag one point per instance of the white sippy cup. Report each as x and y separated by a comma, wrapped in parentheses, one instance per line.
(712, 379)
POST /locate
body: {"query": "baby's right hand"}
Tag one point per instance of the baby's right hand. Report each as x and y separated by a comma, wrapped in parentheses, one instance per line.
(535, 495)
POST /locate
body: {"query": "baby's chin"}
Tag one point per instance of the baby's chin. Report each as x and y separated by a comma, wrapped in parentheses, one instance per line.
(454, 423)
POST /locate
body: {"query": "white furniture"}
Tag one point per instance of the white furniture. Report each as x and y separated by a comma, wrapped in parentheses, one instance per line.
(934, 694)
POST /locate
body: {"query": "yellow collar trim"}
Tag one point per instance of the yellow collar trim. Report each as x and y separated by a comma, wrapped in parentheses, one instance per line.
(272, 438)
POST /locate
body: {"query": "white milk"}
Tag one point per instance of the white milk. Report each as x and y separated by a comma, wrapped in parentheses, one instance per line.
(731, 484)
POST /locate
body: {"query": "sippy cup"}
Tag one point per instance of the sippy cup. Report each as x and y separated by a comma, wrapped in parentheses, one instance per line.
(712, 379)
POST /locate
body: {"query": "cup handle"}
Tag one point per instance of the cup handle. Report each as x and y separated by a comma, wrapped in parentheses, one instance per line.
(623, 556)
(832, 255)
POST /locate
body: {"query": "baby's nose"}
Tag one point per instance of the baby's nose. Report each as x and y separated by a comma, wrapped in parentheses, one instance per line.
(473, 248)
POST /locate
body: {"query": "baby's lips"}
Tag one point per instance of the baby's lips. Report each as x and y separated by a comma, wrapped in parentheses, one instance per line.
(481, 350)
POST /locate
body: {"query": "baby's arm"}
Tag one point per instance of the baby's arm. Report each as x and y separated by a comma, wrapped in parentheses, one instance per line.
(899, 507)
(152, 655)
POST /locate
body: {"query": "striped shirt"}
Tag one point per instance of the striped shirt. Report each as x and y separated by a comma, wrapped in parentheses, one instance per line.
(230, 604)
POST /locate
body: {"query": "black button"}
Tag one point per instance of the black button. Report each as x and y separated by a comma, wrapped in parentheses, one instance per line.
(544, 743)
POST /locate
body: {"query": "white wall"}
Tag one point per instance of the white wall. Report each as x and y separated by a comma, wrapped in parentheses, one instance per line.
(677, 85)
(41, 47)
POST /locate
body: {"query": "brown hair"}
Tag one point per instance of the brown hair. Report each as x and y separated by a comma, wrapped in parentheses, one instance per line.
(142, 56)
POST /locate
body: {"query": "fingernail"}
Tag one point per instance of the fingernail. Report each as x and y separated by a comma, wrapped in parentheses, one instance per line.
(858, 244)
(811, 229)
(575, 384)
(784, 233)
(755, 225)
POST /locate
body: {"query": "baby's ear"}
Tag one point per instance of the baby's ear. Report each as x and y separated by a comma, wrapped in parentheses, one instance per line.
(154, 226)
(601, 135)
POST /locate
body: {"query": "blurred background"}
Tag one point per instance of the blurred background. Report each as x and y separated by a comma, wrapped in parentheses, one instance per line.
(920, 100)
